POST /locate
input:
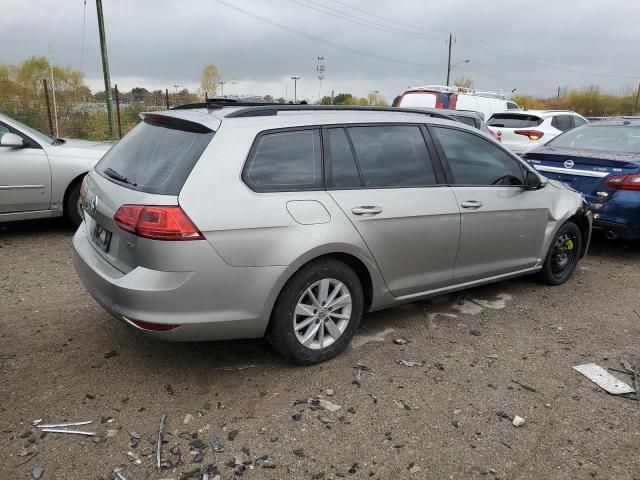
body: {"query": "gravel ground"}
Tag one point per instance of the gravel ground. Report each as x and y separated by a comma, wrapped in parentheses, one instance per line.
(64, 359)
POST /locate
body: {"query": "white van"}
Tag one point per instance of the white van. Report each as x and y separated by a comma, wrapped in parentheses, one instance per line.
(457, 98)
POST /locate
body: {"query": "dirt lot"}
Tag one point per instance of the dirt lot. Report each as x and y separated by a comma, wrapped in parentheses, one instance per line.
(64, 359)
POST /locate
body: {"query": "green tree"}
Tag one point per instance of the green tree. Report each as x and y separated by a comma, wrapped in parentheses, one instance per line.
(210, 80)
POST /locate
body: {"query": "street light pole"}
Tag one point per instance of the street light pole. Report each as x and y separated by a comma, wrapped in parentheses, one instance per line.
(295, 88)
(449, 60)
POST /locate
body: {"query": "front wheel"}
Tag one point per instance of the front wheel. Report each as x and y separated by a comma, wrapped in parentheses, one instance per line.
(563, 255)
(317, 312)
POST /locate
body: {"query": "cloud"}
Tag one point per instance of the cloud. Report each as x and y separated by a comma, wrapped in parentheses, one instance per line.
(161, 43)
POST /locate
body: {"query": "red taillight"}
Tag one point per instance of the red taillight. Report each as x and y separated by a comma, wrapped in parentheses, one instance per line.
(84, 188)
(157, 223)
(439, 105)
(623, 182)
(494, 135)
(532, 134)
(154, 327)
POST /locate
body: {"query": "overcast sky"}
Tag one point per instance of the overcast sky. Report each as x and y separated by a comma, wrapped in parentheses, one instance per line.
(367, 44)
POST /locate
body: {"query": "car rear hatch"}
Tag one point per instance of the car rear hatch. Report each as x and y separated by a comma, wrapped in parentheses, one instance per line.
(516, 130)
(130, 199)
(584, 170)
(428, 99)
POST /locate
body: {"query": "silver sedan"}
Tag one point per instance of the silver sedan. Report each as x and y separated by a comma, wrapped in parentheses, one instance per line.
(40, 176)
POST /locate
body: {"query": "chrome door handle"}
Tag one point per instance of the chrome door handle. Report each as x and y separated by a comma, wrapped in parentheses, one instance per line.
(366, 210)
(472, 204)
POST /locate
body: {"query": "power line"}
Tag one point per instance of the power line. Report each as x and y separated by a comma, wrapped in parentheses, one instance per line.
(488, 48)
(363, 22)
(322, 40)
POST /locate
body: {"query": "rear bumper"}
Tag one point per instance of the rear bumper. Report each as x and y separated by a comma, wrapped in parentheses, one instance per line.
(619, 214)
(213, 302)
(618, 229)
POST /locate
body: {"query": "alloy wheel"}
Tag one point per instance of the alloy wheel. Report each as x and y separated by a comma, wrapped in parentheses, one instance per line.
(322, 313)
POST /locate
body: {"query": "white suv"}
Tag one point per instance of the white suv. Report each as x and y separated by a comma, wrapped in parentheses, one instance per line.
(523, 130)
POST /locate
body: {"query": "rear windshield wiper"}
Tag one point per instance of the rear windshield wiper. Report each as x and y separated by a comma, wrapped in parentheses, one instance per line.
(110, 172)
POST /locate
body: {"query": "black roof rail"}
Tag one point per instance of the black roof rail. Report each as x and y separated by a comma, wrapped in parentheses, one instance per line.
(273, 109)
(217, 103)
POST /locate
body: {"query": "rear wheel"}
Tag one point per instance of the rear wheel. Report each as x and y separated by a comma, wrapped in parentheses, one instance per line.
(317, 312)
(563, 255)
(72, 206)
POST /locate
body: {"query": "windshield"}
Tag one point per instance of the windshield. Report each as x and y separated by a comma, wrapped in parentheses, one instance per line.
(607, 138)
(32, 132)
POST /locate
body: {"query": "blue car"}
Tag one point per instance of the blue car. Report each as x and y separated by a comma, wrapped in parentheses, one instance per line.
(602, 160)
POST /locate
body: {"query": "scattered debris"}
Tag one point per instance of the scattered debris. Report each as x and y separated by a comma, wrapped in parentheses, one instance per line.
(439, 365)
(475, 333)
(400, 341)
(326, 404)
(160, 440)
(329, 392)
(197, 455)
(456, 423)
(110, 353)
(357, 373)
(135, 435)
(231, 436)
(218, 444)
(324, 419)
(37, 472)
(636, 378)
(63, 430)
(503, 414)
(62, 425)
(518, 421)
(265, 462)
(414, 468)
(119, 474)
(36, 422)
(525, 386)
(407, 363)
(135, 459)
(297, 417)
(169, 388)
(299, 452)
(195, 473)
(493, 356)
(187, 419)
(603, 379)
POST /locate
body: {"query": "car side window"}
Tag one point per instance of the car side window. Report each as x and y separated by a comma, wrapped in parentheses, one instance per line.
(512, 106)
(476, 161)
(289, 160)
(392, 156)
(578, 121)
(343, 172)
(3, 130)
(562, 122)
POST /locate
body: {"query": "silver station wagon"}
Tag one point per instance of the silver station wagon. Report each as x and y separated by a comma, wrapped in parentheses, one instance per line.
(220, 221)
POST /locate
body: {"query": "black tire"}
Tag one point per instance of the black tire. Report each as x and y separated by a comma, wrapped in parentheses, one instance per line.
(71, 212)
(281, 333)
(563, 255)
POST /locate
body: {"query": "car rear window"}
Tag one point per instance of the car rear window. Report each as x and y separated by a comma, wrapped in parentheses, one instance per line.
(157, 156)
(513, 120)
(608, 138)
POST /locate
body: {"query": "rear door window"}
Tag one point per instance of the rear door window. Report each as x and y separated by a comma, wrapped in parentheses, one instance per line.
(512, 106)
(577, 121)
(476, 161)
(513, 120)
(157, 156)
(392, 156)
(562, 122)
(343, 172)
(287, 160)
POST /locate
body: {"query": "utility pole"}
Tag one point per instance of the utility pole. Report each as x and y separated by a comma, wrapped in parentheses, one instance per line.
(295, 88)
(53, 91)
(558, 92)
(636, 111)
(105, 69)
(449, 60)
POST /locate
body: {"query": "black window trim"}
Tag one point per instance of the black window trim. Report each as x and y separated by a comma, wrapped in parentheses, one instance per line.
(271, 189)
(433, 160)
(447, 168)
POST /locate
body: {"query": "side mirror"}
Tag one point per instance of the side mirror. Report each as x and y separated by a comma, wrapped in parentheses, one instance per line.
(533, 182)
(11, 140)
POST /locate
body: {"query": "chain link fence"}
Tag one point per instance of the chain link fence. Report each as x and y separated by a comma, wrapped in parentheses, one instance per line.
(81, 115)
